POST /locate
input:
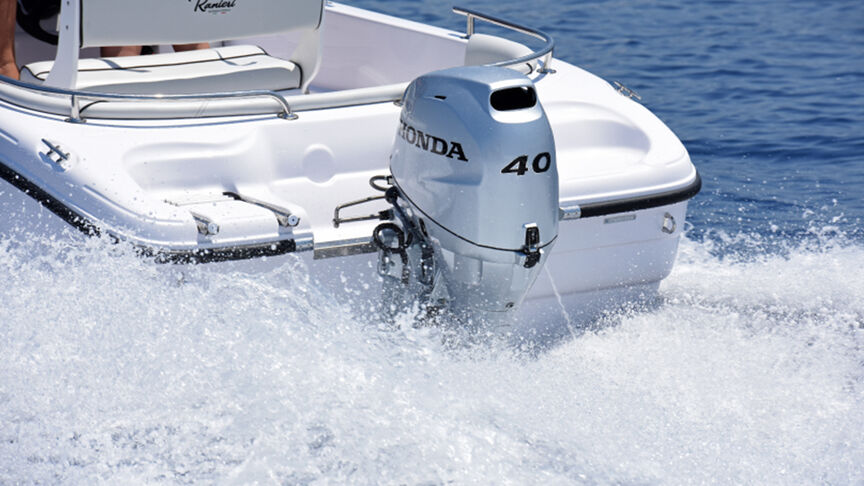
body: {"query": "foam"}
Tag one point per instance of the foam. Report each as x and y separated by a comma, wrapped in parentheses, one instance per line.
(119, 370)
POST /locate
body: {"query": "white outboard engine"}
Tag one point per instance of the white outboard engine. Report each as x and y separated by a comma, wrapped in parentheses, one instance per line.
(475, 188)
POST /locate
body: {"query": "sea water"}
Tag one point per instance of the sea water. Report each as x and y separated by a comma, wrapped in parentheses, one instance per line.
(749, 369)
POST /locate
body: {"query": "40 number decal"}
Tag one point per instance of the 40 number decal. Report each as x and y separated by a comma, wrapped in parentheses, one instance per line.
(519, 166)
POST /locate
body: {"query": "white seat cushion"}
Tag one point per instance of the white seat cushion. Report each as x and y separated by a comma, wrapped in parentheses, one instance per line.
(231, 68)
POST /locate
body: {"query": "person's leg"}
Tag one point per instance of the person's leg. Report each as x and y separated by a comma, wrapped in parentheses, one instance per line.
(191, 47)
(119, 51)
(8, 67)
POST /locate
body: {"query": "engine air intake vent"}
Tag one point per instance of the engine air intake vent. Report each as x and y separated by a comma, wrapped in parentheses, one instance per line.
(513, 98)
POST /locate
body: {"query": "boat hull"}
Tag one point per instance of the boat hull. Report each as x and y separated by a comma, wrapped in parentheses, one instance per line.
(183, 180)
(597, 265)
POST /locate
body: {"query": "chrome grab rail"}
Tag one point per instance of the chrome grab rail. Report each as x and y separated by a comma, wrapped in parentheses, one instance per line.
(545, 52)
(75, 96)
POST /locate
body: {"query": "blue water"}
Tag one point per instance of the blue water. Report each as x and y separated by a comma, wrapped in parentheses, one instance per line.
(749, 369)
(768, 96)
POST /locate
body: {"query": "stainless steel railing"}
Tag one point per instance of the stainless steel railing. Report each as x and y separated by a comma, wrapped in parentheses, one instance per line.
(286, 112)
(545, 52)
(76, 96)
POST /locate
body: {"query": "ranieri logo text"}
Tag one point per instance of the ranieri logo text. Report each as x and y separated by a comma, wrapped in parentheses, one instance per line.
(214, 6)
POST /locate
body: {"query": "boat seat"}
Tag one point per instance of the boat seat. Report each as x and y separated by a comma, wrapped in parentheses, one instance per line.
(101, 23)
(221, 69)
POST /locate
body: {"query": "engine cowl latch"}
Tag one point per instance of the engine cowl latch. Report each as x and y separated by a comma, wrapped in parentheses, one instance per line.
(532, 239)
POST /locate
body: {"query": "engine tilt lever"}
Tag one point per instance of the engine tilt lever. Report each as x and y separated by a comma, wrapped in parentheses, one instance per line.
(385, 215)
(532, 240)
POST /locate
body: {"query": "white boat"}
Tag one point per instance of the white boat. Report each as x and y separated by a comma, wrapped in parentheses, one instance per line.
(519, 185)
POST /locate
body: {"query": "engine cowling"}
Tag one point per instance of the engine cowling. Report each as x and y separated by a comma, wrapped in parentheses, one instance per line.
(474, 161)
